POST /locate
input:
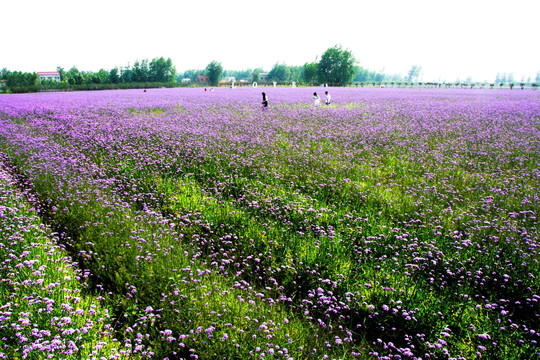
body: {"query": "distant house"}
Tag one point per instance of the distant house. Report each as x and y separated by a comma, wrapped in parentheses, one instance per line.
(186, 80)
(49, 75)
(202, 79)
(263, 76)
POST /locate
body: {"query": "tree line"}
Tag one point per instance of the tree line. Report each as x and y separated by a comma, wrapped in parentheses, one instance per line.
(336, 66)
(140, 74)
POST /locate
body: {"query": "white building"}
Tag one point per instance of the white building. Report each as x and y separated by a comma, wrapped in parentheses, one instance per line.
(49, 75)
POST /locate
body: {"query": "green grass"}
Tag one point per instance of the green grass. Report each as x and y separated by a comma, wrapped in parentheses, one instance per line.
(43, 297)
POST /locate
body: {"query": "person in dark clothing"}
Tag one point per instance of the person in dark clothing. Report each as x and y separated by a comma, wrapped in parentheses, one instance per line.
(264, 101)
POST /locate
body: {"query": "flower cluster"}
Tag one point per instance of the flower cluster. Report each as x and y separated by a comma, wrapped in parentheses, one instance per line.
(43, 309)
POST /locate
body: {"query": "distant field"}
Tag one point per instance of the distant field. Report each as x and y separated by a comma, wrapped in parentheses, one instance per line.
(394, 223)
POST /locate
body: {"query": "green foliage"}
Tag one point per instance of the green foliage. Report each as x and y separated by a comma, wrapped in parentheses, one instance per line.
(48, 294)
(193, 73)
(19, 79)
(140, 71)
(74, 76)
(414, 73)
(161, 70)
(157, 71)
(114, 76)
(504, 78)
(280, 72)
(365, 75)
(239, 74)
(62, 72)
(311, 71)
(337, 66)
(101, 77)
(283, 73)
(214, 70)
(256, 75)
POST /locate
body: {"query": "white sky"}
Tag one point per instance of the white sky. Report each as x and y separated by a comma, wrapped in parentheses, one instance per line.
(449, 39)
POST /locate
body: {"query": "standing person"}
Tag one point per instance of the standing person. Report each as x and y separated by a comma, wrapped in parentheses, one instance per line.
(316, 99)
(328, 98)
(264, 101)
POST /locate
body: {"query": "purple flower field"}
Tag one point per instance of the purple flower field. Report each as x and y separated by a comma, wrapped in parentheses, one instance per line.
(394, 223)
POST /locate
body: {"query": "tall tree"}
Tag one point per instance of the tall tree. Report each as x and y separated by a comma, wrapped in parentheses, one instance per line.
(296, 73)
(114, 77)
(214, 70)
(310, 72)
(510, 77)
(238, 74)
(126, 75)
(280, 72)
(336, 66)
(62, 72)
(74, 76)
(161, 70)
(18, 78)
(362, 74)
(256, 74)
(140, 71)
(414, 73)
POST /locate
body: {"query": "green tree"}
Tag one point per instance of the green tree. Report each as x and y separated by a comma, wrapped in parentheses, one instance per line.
(362, 74)
(238, 74)
(62, 73)
(310, 72)
(256, 75)
(126, 75)
(336, 66)
(101, 77)
(161, 70)
(414, 73)
(510, 77)
(280, 72)
(140, 71)
(193, 73)
(19, 79)
(114, 76)
(74, 76)
(296, 73)
(214, 70)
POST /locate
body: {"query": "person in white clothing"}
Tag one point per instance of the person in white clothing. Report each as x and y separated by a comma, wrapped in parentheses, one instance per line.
(316, 99)
(328, 98)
